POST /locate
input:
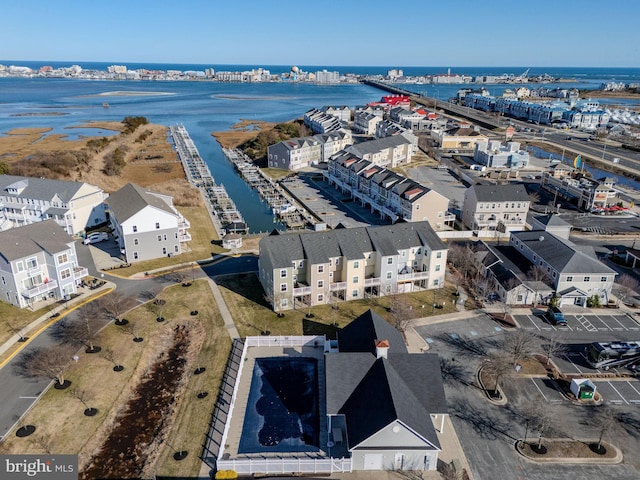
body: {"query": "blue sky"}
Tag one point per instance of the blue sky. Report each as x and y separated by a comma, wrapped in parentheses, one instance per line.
(528, 33)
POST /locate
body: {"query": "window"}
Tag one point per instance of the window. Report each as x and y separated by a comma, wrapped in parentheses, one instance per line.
(283, 287)
(63, 258)
(388, 275)
(176, 248)
(439, 214)
(283, 273)
(135, 255)
(157, 225)
(587, 279)
(438, 254)
(20, 266)
(32, 263)
(519, 298)
(320, 298)
(354, 293)
(284, 303)
(355, 279)
(66, 273)
(301, 264)
(136, 241)
(436, 282)
(535, 257)
(320, 268)
(390, 261)
(356, 264)
(569, 278)
(417, 206)
(159, 238)
(4, 281)
(437, 268)
(603, 279)
(320, 283)
(553, 274)
(135, 229)
(176, 234)
(337, 261)
(164, 237)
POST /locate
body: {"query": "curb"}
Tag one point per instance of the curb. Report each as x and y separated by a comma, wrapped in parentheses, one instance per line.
(581, 460)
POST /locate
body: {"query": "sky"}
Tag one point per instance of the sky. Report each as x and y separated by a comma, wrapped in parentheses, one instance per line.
(559, 33)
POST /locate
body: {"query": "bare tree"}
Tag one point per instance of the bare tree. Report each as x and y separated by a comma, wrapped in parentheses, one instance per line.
(109, 355)
(604, 421)
(84, 328)
(519, 344)
(539, 277)
(497, 366)
(82, 395)
(400, 312)
(44, 443)
(553, 347)
(113, 304)
(625, 286)
(48, 362)
(16, 331)
(462, 258)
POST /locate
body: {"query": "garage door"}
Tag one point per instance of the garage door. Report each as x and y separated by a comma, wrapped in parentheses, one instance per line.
(373, 461)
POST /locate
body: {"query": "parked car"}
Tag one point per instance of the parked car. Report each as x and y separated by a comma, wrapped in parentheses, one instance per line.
(555, 315)
(96, 237)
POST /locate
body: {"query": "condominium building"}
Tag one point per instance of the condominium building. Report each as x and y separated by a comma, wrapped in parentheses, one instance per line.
(297, 153)
(502, 208)
(75, 206)
(350, 263)
(386, 152)
(387, 193)
(145, 224)
(38, 262)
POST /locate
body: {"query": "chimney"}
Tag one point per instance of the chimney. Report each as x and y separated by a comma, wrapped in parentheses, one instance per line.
(382, 348)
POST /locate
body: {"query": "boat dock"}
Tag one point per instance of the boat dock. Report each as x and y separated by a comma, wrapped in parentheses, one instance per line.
(283, 206)
(224, 214)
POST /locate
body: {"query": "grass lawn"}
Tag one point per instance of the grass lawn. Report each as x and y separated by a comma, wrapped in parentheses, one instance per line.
(202, 234)
(61, 425)
(276, 173)
(252, 315)
(14, 319)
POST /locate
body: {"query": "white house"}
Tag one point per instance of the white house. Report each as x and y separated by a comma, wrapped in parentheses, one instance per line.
(145, 224)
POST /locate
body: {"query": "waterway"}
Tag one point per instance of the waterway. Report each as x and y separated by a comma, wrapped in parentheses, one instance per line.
(202, 107)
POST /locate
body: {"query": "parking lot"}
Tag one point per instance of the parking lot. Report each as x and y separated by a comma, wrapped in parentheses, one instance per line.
(588, 322)
(488, 433)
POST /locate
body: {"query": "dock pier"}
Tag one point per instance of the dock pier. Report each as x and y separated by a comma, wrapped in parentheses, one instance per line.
(284, 207)
(223, 212)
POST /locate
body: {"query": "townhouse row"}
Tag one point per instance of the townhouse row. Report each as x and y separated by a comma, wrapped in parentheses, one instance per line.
(316, 268)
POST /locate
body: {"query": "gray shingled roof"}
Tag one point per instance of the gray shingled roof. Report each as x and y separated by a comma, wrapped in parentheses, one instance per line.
(42, 188)
(511, 192)
(374, 146)
(131, 199)
(563, 256)
(351, 243)
(389, 239)
(21, 242)
(552, 220)
(384, 395)
(360, 335)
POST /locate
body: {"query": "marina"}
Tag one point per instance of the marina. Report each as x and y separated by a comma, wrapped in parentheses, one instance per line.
(224, 213)
(283, 206)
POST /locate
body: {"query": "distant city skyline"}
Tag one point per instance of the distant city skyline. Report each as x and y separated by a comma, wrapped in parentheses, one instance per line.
(347, 33)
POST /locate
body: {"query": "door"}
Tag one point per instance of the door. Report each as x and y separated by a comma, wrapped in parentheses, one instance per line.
(373, 461)
(399, 461)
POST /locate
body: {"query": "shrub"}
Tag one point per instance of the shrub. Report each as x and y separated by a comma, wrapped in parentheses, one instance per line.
(131, 123)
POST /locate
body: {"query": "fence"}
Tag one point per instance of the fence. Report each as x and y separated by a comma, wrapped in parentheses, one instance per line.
(286, 465)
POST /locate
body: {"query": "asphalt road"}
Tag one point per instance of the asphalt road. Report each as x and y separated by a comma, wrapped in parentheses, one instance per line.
(488, 433)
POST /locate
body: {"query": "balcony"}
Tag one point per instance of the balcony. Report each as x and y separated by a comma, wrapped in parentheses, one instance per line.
(412, 277)
(299, 291)
(371, 282)
(184, 223)
(335, 286)
(40, 289)
(184, 237)
(80, 272)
